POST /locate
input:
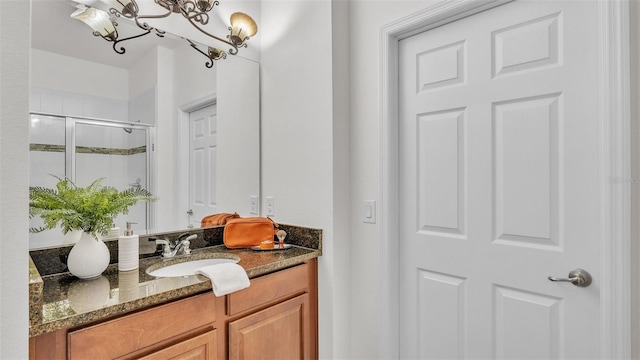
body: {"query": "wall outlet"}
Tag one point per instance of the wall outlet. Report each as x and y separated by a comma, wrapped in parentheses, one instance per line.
(253, 205)
(270, 205)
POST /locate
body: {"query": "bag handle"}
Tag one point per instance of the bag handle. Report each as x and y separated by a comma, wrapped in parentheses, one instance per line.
(275, 225)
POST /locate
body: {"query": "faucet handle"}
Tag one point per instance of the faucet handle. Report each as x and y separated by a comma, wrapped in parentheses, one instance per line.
(166, 245)
(186, 247)
(186, 237)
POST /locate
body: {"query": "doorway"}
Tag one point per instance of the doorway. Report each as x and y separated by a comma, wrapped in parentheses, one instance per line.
(612, 235)
(203, 156)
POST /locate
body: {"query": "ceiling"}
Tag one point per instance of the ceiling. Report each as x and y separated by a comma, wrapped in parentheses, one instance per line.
(53, 30)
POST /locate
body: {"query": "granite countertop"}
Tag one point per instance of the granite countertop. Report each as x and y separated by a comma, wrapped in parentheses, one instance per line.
(59, 301)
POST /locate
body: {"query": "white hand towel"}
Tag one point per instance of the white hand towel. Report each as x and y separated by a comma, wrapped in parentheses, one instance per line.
(225, 278)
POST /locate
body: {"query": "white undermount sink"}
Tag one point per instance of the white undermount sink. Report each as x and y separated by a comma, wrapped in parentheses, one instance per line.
(187, 268)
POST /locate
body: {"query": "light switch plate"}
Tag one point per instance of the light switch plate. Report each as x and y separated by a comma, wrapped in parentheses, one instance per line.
(369, 211)
(270, 205)
(253, 205)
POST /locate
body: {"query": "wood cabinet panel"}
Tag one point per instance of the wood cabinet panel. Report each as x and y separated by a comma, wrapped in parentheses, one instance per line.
(270, 288)
(279, 332)
(202, 347)
(52, 345)
(130, 333)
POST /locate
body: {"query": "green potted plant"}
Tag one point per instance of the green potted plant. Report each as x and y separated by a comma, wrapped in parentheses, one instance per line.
(89, 209)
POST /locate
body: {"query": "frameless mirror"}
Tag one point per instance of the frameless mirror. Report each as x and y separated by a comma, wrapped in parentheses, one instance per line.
(154, 117)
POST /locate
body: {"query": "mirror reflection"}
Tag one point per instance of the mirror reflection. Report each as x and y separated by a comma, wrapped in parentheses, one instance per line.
(153, 117)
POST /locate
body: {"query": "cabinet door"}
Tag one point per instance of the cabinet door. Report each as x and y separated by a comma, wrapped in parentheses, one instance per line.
(282, 331)
(202, 347)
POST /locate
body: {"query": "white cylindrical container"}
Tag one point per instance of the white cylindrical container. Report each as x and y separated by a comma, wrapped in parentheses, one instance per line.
(128, 251)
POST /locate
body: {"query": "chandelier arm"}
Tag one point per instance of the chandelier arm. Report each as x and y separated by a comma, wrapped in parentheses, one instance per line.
(202, 18)
(142, 25)
(135, 17)
(190, 11)
(208, 64)
(167, 4)
(122, 49)
(232, 51)
(154, 16)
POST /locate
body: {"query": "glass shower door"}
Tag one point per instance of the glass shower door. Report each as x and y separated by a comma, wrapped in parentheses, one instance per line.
(116, 154)
(47, 157)
(84, 150)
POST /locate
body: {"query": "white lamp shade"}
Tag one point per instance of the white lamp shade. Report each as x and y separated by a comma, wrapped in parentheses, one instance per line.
(242, 26)
(97, 19)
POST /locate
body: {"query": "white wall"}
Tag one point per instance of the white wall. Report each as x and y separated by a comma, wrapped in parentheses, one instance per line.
(366, 18)
(342, 252)
(55, 71)
(53, 101)
(143, 75)
(193, 79)
(165, 157)
(14, 244)
(238, 135)
(142, 108)
(298, 145)
(635, 176)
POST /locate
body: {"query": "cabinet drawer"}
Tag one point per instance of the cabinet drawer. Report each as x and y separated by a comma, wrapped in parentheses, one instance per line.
(201, 347)
(270, 288)
(132, 332)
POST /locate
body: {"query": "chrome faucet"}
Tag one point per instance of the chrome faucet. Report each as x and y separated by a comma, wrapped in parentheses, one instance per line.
(183, 243)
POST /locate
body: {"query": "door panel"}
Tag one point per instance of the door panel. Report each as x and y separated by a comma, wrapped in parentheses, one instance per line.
(498, 184)
(203, 145)
(526, 158)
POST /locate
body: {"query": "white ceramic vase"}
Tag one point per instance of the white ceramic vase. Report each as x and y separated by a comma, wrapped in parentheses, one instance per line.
(88, 258)
(72, 236)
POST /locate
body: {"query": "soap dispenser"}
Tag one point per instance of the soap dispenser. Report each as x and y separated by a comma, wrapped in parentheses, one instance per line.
(114, 232)
(128, 251)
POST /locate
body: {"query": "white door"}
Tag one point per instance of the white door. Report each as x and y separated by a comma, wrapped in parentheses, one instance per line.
(202, 163)
(499, 185)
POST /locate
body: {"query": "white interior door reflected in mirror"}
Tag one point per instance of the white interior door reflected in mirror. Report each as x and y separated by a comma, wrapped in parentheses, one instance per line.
(203, 147)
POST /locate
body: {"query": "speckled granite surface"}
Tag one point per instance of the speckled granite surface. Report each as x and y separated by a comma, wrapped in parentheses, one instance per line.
(59, 300)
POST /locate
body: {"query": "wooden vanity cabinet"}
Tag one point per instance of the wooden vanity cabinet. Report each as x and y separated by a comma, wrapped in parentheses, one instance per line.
(276, 317)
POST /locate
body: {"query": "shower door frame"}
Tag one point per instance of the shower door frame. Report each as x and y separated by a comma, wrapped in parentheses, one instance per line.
(70, 149)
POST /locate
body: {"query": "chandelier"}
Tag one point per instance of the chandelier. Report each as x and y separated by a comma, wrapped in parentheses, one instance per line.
(195, 11)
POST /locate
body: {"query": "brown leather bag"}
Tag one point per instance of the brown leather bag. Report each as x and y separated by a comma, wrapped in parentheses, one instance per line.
(248, 232)
(217, 219)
